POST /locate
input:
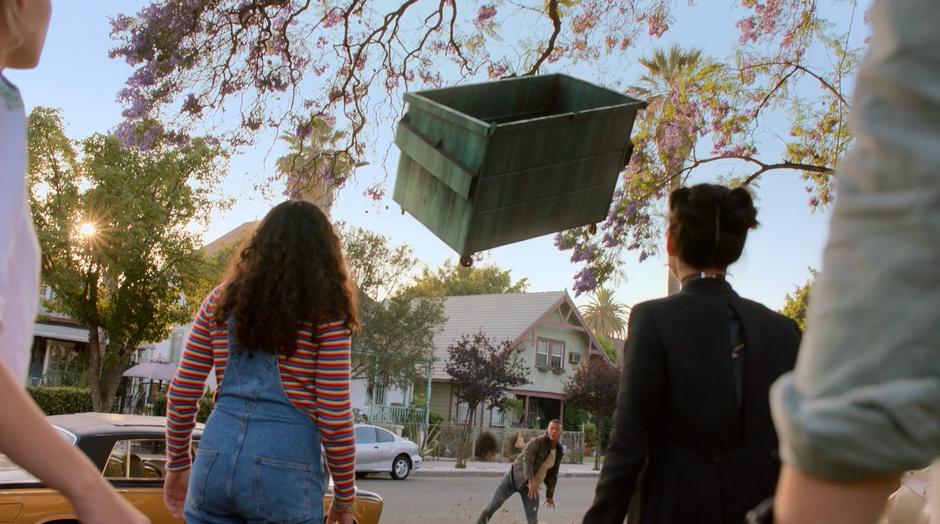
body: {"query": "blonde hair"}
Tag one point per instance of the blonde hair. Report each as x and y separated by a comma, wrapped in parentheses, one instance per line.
(11, 22)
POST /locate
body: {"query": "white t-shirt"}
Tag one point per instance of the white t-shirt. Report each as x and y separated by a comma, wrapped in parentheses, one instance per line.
(19, 249)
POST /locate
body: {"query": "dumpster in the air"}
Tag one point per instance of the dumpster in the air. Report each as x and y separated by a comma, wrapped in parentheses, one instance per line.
(490, 164)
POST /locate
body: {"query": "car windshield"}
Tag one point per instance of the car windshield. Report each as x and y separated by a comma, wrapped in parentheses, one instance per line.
(6, 464)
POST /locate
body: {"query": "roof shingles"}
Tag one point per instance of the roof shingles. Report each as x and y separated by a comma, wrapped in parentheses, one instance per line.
(504, 316)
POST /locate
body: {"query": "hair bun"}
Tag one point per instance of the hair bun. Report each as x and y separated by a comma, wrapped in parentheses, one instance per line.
(738, 213)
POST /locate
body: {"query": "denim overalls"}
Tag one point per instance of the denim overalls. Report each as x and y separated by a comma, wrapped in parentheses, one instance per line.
(259, 457)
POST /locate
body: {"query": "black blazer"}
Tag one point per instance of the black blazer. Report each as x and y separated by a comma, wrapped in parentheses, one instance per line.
(707, 460)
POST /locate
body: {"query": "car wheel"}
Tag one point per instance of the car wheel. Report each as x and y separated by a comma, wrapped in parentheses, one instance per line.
(361, 474)
(401, 467)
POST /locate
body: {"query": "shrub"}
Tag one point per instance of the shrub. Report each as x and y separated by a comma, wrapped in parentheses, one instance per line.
(205, 407)
(487, 446)
(159, 405)
(510, 448)
(590, 434)
(58, 400)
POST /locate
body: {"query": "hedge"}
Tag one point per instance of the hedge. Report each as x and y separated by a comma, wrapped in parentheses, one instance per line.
(205, 406)
(60, 400)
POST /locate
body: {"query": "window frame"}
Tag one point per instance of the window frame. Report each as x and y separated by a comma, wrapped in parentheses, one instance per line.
(553, 344)
(126, 466)
(497, 417)
(538, 353)
(462, 406)
(379, 433)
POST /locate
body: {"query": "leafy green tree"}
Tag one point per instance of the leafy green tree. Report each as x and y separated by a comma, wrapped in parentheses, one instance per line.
(796, 304)
(397, 338)
(115, 227)
(612, 352)
(605, 315)
(452, 280)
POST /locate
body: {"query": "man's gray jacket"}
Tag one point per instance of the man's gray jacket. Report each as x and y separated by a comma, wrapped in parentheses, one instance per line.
(528, 462)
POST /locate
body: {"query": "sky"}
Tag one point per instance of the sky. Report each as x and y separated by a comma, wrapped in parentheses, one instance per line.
(76, 75)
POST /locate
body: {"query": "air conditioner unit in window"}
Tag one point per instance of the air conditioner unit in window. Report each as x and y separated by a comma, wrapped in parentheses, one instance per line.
(574, 358)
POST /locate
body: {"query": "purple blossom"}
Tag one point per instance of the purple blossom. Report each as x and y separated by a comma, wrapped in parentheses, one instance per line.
(484, 15)
(139, 107)
(583, 253)
(303, 130)
(562, 241)
(584, 281)
(376, 192)
(191, 105)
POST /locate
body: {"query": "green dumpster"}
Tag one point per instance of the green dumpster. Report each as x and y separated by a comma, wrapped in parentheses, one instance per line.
(486, 165)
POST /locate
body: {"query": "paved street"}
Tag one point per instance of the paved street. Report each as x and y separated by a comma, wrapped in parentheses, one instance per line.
(459, 500)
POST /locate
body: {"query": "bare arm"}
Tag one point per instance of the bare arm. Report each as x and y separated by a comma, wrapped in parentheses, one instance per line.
(30, 441)
(807, 499)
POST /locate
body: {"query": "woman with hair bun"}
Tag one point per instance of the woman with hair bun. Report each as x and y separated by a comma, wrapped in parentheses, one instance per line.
(693, 404)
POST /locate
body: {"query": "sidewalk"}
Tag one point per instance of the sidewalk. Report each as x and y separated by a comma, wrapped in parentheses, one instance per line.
(445, 468)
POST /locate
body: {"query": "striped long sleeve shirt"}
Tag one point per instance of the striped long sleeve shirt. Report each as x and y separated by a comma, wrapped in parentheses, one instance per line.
(315, 378)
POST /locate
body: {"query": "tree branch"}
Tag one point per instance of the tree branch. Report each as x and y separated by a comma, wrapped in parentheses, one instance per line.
(556, 29)
(798, 67)
(763, 167)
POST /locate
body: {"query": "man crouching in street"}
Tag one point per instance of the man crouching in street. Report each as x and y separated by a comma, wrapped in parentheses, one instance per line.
(538, 462)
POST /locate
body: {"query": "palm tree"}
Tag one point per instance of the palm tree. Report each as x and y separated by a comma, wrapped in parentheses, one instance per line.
(669, 73)
(605, 315)
(313, 169)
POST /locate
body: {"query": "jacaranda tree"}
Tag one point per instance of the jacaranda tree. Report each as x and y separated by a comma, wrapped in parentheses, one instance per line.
(776, 102)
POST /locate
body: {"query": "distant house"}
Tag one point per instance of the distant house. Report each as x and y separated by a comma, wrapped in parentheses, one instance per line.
(546, 327)
(59, 354)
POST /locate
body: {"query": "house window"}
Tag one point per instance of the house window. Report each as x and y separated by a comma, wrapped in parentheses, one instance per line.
(498, 417)
(557, 354)
(463, 411)
(43, 290)
(541, 353)
(550, 354)
(66, 364)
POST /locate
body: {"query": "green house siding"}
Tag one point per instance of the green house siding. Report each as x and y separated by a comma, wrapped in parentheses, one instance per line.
(548, 380)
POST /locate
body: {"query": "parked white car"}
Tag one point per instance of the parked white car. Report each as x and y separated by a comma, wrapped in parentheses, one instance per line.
(378, 450)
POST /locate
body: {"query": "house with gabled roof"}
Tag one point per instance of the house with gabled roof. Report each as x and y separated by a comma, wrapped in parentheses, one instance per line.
(545, 327)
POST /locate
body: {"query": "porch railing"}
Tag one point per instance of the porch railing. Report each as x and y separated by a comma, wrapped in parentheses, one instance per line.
(394, 414)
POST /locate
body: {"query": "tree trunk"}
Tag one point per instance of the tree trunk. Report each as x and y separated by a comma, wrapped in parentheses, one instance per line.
(95, 357)
(672, 283)
(110, 381)
(103, 378)
(321, 195)
(462, 445)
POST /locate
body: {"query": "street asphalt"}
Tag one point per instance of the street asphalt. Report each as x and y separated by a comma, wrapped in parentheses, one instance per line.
(458, 500)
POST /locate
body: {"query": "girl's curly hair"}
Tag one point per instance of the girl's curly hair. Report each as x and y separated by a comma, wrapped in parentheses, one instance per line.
(291, 271)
